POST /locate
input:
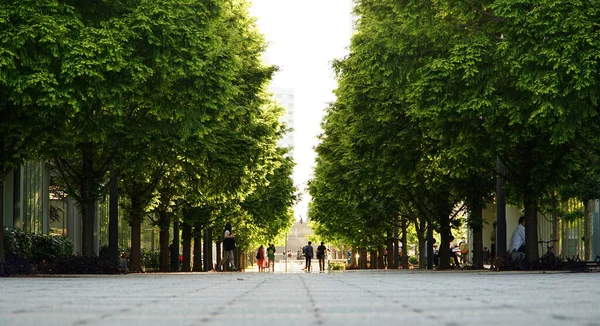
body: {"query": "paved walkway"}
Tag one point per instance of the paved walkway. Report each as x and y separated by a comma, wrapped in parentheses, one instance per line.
(338, 298)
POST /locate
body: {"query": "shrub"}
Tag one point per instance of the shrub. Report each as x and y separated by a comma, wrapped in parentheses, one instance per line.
(26, 250)
(36, 248)
(17, 242)
(15, 265)
(79, 265)
(103, 251)
(413, 260)
(151, 259)
(337, 266)
(48, 248)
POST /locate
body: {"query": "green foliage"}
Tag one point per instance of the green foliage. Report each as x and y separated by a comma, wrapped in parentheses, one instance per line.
(34, 35)
(337, 266)
(413, 260)
(151, 259)
(37, 248)
(17, 242)
(49, 248)
(171, 92)
(433, 91)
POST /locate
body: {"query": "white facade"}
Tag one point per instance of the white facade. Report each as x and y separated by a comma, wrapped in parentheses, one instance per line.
(285, 98)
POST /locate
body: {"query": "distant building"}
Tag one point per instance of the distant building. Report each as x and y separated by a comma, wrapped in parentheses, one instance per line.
(285, 98)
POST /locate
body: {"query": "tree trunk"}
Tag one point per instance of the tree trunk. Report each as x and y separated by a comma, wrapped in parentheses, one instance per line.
(565, 239)
(373, 259)
(429, 245)
(531, 232)
(390, 250)
(477, 227)
(404, 226)
(362, 259)
(197, 249)
(396, 247)
(87, 204)
(501, 246)
(2, 261)
(208, 263)
(175, 247)
(422, 238)
(236, 258)
(164, 224)
(136, 263)
(587, 219)
(444, 246)
(421, 252)
(186, 235)
(113, 223)
(380, 257)
(555, 225)
(219, 255)
(353, 261)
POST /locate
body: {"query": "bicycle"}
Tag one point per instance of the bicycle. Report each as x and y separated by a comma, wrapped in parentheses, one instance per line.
(549, 259)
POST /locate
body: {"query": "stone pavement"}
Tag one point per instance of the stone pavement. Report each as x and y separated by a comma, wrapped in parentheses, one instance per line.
(337, 298)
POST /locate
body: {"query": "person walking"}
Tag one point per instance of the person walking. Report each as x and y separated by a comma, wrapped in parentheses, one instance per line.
(260, 258)
(228, 247)
(464, 251)
(321, 256)
(308, 255)
(517, 241)
(271, 256)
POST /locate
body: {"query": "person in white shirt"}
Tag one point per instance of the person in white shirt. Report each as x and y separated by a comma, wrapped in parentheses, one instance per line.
(517, 242)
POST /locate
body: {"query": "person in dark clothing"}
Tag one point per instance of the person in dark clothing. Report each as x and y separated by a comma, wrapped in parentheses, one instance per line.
(308, 255)
(228, 247)
(321, 256)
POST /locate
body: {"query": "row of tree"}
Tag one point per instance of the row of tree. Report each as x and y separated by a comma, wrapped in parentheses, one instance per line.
(161, 103)
(435, 93)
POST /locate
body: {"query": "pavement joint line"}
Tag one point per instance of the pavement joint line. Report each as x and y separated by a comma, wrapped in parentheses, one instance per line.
(354, 298)
(312, 301)
(219, 309)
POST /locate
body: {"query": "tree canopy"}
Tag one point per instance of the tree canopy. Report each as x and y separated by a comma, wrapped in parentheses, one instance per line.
(172, 93)
(433, 91)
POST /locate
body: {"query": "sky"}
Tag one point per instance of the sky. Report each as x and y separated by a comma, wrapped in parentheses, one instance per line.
(304, 36)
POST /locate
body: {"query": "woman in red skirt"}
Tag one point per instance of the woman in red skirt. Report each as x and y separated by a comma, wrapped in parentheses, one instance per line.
(260, 255)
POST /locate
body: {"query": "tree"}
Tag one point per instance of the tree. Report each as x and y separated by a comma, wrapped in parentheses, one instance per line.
(445, 85)
(527, 83)
(34, 35)
(137, 61)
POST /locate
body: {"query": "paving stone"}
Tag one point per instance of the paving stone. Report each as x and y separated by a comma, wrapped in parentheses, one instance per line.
(340, 298)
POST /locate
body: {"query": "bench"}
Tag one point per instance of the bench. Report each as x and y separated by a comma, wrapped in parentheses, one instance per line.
(593, 264)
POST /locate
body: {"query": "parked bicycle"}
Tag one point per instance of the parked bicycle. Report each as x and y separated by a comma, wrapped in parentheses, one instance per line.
(549, 259)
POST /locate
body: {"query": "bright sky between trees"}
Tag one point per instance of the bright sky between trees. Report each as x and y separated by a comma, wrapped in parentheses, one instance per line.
(304, 36)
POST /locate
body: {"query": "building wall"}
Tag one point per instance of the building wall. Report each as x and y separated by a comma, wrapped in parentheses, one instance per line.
(569, 240)
(489, 216)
